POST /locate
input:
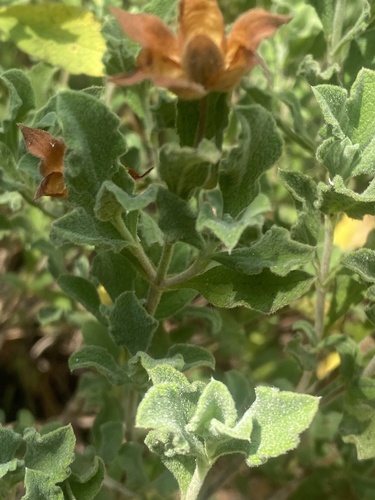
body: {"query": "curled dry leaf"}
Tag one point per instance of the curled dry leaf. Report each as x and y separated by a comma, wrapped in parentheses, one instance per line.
(200, 58)
(51, 152)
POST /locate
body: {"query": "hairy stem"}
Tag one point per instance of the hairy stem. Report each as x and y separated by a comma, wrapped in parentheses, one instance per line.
(156, 291)
(196, 482)
(321, 290)
(321, 285)
(136, 247)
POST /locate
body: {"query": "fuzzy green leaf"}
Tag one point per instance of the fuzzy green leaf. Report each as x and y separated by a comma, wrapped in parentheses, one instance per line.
(130, 325)
(39, 486)
(193, 356)
(101, 360)
(304, 190)
(172, 302)
(85, 486)
(16, 88)
(184, 169)
(264, 292)
(335, 198)
(275, 251)
(81, 228)
(279, 418)
(361, 261)
(227, 230)
(90, 132)
(50, 454)
(177, 220)
(84, 292)
(10, 442)
(260, 147)
(61, 35)
(112, 201)
(349, 148)
(214, 404)
(115, 272)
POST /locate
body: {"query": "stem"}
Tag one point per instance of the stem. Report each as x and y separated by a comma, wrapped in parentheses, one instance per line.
(321, 290)
(323, 272)
(196, 268)
(136, 248)
(201, 128)
(155, 291)
(196, 482)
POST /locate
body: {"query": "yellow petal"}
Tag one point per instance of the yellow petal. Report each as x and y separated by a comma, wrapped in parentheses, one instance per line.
(201, 17)
(327, 365)
(149, 31)
(352, 233)
(248, 31)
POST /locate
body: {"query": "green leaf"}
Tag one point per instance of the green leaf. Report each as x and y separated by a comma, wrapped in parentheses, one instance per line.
(101, 360)
(11, 179)
(110, 440)
(161, 408)
(278, 419)
(172, 302)
(264, 292)
(326, 11)
(260, 147)
(349, 148)
(346, 293)
(10, 442)
(87, 485)
(214, 404)
(185, 169)
(336, 198)
(62, 35)
(112, 201)
(176, 219)
(38, 486)
(358, 423)
(131, 458)
(275, 251)
(91, 133)
(215, 110)
(227, 230)
(50, 454)
(84, 292)
(19, 97)
(115, 272)
(193, 356)
(130, 325)
(361, 261)
(304, 190)
(303, 352)
(80, 228)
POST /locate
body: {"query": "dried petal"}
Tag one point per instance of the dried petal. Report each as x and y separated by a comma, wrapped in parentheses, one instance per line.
(247, 33)
(52, 185)
(51, 152)
(149, 31)
(201, 17)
